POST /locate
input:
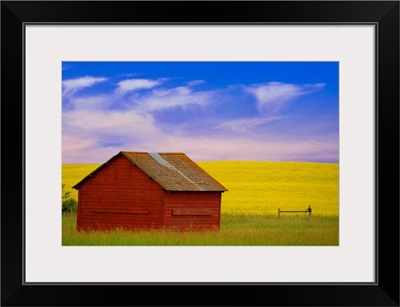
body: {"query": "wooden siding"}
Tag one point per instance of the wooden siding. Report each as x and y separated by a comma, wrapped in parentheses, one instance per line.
(192, 210)
(120, 195)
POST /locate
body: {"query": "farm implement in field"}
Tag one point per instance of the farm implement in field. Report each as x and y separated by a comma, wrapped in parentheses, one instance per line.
(308, 210)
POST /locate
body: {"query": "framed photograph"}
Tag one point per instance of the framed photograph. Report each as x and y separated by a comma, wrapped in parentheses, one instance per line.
(241, 147)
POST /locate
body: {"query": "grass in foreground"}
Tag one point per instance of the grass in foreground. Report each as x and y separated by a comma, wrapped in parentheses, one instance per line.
(235, 230)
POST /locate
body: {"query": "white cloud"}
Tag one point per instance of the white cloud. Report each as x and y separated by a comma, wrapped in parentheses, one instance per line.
(212, 149)
(103, 125)
(136, 84)
(273, 96)
(73, 143)
(73, 85)
(246, 125)
(91, 102)
(170, 98)
(195, 82)
(93, 137)
(87, 154)
(244, 148)
(92, 134)
(75, 147)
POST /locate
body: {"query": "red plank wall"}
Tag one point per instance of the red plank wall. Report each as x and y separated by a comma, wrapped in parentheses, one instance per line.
(120, 195)
(200, 210)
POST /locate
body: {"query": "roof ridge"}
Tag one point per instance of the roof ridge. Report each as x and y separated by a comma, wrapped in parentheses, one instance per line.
(172, 153)
(159, 152)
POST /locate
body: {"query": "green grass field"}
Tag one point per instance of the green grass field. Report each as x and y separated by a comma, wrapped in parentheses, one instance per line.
(249, 208)
(236, 230)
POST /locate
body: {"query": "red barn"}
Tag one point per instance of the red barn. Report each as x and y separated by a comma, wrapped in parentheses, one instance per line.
(137, 190)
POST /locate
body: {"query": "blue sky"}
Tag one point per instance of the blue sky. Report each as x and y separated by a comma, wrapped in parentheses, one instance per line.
(262, 111)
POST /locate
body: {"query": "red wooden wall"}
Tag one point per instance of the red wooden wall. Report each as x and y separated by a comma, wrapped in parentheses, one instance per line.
(120, 195)
(194, 210)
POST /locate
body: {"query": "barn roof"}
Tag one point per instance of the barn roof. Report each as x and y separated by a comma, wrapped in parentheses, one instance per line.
(173, 171)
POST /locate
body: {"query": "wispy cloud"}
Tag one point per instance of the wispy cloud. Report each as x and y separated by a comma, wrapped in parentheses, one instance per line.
(211, 147)
(130, 85)
(195, 82)
(272, 97)
(73, 85)
(98, 102)
(202, 113)
(245, 148)
(246, 126)
(110, 125)
(237, 138)
(182, 96)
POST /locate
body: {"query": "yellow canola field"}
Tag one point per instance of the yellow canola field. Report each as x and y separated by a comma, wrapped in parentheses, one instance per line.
(73, 173)
(259, 188)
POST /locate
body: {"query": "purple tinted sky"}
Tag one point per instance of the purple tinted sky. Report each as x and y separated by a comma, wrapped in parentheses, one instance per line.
(264, 111)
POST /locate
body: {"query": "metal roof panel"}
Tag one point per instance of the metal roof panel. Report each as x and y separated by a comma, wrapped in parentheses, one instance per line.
(176, 172)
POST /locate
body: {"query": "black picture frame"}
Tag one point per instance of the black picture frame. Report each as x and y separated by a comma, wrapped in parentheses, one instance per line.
(383, 14)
